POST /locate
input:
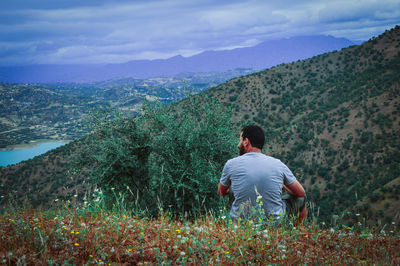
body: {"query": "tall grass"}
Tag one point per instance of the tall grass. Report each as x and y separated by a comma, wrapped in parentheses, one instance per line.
(93, 234)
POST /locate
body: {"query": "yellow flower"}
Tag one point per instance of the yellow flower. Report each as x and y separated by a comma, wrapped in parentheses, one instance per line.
(72, 232)
(91, 255)
(227, 252)
(129, 249)
(77, 233)
(76, 244)
(306, 236)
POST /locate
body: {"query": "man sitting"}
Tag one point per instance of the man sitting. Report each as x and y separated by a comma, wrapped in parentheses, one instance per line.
(256, 181)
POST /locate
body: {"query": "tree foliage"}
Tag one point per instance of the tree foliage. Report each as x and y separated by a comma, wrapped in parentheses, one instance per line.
(163, 159)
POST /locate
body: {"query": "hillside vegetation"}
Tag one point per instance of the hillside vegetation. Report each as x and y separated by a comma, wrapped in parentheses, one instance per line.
(91, 236)
(334, 119)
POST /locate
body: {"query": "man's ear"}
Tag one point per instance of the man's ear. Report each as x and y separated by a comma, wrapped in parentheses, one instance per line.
(246, 142)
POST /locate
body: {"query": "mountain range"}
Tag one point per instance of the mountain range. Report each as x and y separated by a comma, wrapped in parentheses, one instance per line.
(261, 56)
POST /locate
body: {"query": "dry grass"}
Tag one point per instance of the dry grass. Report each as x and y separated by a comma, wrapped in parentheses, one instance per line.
(92, 236)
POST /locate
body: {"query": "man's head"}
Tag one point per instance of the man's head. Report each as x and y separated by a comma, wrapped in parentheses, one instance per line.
(251, 136)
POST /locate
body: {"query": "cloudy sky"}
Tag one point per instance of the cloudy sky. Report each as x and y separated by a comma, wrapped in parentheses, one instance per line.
(106, 31)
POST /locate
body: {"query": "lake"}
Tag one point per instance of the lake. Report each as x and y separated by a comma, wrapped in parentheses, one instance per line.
(16, 156)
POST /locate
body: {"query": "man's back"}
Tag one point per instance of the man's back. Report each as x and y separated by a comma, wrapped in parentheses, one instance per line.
(254, 174)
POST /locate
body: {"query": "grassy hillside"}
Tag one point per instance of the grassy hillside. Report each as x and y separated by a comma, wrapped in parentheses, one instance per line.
(334, 119)
(90, 236)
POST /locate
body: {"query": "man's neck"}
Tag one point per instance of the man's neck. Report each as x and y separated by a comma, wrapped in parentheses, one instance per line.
(254, 149)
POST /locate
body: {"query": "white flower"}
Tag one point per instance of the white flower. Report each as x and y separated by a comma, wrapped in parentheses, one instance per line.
(183, 253)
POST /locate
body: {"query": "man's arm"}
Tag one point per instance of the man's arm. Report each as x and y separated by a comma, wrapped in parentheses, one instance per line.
(295, 189)
(222, 190)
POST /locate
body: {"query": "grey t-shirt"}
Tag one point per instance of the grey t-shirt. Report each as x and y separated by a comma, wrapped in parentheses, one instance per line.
(252, 175)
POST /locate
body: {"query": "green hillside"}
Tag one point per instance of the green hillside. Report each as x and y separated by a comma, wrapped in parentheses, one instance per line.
(334, 119)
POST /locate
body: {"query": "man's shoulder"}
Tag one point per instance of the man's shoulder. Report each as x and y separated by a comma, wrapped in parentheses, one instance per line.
(253, 156)
(234, 160)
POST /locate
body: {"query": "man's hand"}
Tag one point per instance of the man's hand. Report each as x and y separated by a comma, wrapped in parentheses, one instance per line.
(222, 190)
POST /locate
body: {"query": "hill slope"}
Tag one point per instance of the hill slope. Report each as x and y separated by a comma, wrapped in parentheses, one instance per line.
(334, 119)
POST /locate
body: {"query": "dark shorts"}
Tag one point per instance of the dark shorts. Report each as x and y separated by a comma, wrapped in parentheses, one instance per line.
(294, 205)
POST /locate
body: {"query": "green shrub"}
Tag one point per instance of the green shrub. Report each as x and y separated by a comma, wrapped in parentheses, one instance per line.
(164, 159)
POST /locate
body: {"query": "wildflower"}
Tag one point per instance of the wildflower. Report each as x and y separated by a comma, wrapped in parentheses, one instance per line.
(56, 200)
(183, 253)
(75, 196)
(129, 249)
(227, 252)
(77, 233)
(306, 236)
(357, 214)
(76, 244)
(91, 255)
(391, 231)
(72, 232)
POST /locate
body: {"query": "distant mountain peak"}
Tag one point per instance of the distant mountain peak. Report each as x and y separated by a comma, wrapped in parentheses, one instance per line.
(261, 56)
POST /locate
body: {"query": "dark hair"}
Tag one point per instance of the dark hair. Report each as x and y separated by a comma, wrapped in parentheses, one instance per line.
(255, 135)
